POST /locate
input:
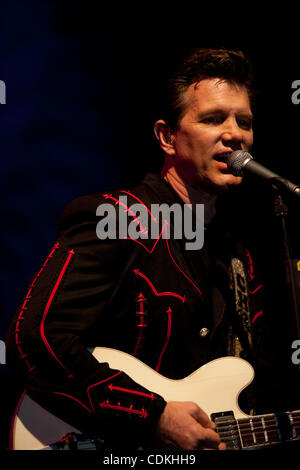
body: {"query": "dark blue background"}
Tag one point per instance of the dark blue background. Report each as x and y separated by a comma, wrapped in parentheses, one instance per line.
(81, 101)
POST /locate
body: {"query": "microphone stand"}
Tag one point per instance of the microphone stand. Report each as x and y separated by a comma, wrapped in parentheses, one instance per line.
(292, 273)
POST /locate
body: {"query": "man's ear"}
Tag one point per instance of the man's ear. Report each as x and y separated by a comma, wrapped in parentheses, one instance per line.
(165, 137)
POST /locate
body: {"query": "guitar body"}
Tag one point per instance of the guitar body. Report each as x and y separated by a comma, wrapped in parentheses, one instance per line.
(215, 387)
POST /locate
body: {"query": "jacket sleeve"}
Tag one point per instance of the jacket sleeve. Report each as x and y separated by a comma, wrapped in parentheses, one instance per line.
(67, 309)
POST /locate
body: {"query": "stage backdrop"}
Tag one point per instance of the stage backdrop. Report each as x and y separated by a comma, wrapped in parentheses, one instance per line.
(79, 96)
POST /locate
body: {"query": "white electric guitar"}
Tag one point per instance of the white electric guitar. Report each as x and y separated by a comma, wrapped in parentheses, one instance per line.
(215, 387)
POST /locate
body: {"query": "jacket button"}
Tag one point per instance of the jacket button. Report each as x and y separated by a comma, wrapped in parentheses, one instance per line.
(203, 332)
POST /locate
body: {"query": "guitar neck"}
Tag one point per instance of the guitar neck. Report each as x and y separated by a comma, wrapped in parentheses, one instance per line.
(257, 431)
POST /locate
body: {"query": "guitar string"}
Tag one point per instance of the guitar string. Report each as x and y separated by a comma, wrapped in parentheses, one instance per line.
(234, 427)
(269, 427)
(245, 434)
(255, 431)
(246, 442)
(267, 416)
(258, 419)
(241, 430)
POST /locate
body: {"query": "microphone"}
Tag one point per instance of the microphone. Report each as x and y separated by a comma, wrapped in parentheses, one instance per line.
(241, 161)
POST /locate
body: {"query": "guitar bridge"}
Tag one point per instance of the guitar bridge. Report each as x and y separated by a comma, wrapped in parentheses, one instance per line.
(227, 428)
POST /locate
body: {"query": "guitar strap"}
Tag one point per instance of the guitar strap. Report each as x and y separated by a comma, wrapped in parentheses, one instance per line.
(240, 338)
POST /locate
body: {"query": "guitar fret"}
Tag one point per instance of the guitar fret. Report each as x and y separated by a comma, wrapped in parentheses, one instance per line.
(256, 433)
(295, 415)
(268, 429)
(294, 434)
(240, 434)
(264, 429)
(252, 431)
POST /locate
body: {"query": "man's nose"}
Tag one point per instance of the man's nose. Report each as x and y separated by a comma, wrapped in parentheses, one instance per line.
(232, 132)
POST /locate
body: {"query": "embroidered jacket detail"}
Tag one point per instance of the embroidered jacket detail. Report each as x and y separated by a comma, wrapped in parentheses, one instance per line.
(20, 318)
(140, 320)
(168, 335)
(47, 308)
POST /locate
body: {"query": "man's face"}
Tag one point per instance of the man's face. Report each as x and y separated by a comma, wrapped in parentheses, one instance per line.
(218, 121)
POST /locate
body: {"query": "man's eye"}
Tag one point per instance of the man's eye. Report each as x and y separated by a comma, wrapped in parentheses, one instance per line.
(245, 123)
(213, 120)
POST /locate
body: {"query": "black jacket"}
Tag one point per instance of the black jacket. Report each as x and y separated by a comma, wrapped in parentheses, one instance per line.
(89, 293)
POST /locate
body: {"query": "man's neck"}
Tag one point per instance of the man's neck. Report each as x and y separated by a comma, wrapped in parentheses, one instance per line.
(188, 194)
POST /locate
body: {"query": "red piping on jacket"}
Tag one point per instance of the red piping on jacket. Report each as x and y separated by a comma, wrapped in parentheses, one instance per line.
(144, 230)
(111, 386)
(135, 392)
(143, 413)
(169, 311)
(73, 398)
(140, 325)
(136, 219)
(23, 356)
(255, 290)
(48, 305)
(181, 269)
(98, 383)
(250, 264)
(158, 294)
(60, 393)
(258, 314)
(153, 248)
(141, 202)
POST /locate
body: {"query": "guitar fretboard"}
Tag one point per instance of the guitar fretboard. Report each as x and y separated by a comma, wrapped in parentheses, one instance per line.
(257, 431)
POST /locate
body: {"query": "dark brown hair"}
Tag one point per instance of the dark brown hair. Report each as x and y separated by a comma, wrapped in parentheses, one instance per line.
(199, 64)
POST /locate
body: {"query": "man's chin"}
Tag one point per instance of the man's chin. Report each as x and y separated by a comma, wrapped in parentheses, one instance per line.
(229, 182)
(223, 184)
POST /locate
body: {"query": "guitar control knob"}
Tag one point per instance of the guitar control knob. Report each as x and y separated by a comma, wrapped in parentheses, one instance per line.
(204, 332)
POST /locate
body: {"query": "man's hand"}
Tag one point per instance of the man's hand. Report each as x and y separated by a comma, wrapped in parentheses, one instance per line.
(184, 425)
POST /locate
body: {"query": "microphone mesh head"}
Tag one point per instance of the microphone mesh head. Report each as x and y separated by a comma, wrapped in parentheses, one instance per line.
(237, 160)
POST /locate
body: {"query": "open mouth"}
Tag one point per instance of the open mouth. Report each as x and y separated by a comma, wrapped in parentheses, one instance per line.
(221, 162)
(222, 157)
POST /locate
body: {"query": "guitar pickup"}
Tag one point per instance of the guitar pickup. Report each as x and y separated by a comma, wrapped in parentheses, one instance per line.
(222, 414)
(227, 428)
